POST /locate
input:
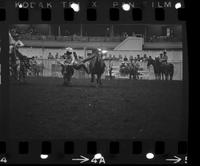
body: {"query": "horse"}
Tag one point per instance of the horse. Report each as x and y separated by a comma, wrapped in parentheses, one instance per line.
(167, 70)
(162, 71)
(156, 66)
(19, 65)
(97, 67)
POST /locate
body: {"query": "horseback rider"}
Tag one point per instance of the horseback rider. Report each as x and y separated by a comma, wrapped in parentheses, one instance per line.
(161, 59)
(165, 57)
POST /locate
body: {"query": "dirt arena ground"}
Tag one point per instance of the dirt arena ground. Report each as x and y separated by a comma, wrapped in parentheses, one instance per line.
(121, 109)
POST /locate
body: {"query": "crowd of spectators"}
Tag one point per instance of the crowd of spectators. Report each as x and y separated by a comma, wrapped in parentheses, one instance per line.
(156, 38)
(18, 32)
(32, 33)
(57, 56)
(125, 58)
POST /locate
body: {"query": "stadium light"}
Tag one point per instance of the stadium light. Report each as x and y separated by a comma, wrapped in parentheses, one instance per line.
(149, 156)
(178, 5)
(20, 5)
(126, 7)
(104, 51)
(44, 156)
(75, 7)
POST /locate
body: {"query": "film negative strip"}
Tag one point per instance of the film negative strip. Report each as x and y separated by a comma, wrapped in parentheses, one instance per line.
(93, 82)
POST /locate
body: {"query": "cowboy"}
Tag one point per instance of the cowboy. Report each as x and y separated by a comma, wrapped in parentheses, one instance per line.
(69, 58)
(161, 59)
(165, 57)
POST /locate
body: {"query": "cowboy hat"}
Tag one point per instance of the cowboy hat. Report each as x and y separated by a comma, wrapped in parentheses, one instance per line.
(19, 43)
(69, 49)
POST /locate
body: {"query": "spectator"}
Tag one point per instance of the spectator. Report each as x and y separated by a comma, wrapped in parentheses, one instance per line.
(110, 69)
(137, 63)
(134, 59)
(131, 58)
(150, 58)
(75, 36)
(67, 33)
(57, 56)
(145, 58)
(62, 56)
(125, 58)
(138, 57)
(50, 56)
(124, 35)
(33, 60)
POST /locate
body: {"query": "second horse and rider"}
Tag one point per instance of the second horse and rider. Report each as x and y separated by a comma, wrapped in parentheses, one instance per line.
(132, 66)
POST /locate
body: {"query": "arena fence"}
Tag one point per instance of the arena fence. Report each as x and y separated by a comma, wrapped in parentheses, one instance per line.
(53, 69)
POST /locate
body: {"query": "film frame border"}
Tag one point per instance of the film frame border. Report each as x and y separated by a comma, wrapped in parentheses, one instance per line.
(181, 145)
(114, 151)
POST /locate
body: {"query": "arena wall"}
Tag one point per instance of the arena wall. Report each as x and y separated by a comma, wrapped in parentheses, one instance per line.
(42, 53)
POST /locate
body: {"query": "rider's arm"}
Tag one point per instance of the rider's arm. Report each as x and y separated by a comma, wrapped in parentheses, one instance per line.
(73, 59)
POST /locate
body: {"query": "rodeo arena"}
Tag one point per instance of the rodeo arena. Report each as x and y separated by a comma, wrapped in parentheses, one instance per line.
(108, 81)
